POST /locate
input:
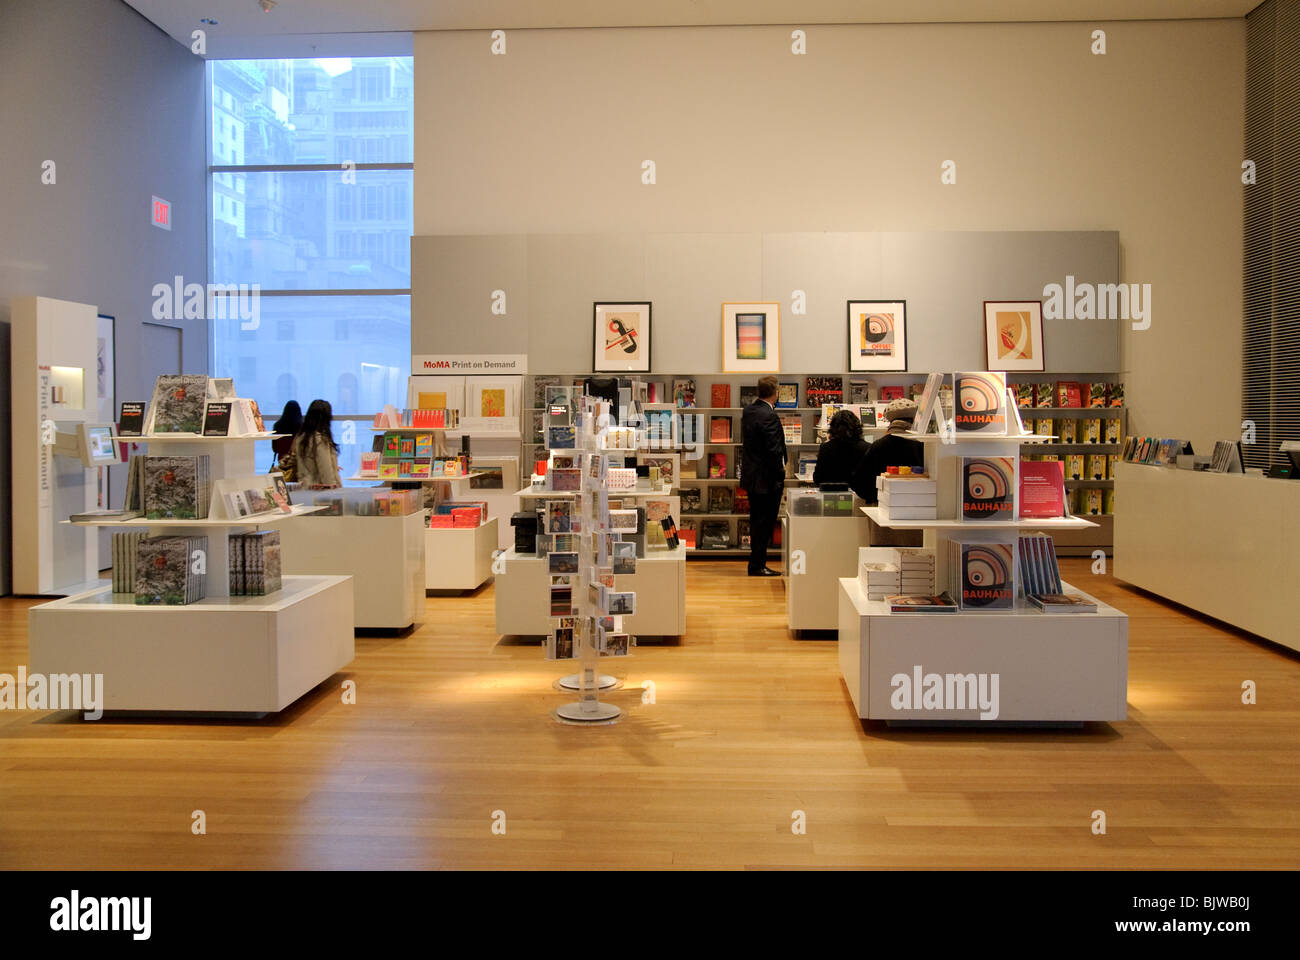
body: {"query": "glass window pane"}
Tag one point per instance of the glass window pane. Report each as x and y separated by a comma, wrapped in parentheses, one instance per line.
(357, 372)
(312, 231)
(312, 111)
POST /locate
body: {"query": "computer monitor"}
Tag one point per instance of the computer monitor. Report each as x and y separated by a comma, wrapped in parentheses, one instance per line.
(96, 444)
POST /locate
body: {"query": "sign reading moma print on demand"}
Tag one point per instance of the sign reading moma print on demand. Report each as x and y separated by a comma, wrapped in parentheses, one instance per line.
(434, 363)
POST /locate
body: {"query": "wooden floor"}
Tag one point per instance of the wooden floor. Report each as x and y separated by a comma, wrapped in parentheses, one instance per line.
(748, 725)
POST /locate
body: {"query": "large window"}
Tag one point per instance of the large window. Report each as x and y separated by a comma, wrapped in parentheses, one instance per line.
(310, 167)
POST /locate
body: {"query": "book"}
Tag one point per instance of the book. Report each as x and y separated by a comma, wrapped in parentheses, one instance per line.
(1074, 466)
(684, 392)
(1044, 395)
(1092, 431)
(720, 395)
(540, 385)
(125, 548)
(717, 466)
(891, 393)
(89, 516)
(1094, 466)
(1115, 395)
(943, 603)
(720, 499)
(216, 419)
(859, 391)
(980, 402)
(743, 538)
(1024, 394)
(748, 395)
(1069, 394)
(988, 488)
(719, 429)
(131, 419)
(740, 501)
(982, 573)
(928, 405)
(787, 394)
(1062, 603)
(176, 488)
(1042, 488)
(561, 438)
(178, 403)
(792, 427)
(819, 390)
(1097, 394)
(165, 573)
(715, 535)
(690, 499)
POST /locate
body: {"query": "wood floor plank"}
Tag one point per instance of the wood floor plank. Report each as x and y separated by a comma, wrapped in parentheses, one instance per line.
(748, 725)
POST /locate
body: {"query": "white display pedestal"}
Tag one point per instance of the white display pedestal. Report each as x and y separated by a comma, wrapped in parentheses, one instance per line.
(1069, 667)
(1226, 544)
(829, 548)
(459, 559)
(1051, 668)
(522, 592)
(383, 555)
(220, 655)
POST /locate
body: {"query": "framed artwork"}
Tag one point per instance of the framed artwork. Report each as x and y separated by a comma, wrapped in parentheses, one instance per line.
(493, 397)
(434, 391)
(1013, 334)
(877, 335)
(751, 337)
(620, 341)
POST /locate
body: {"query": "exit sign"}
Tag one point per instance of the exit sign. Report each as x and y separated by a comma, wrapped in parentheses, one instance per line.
(162, 213)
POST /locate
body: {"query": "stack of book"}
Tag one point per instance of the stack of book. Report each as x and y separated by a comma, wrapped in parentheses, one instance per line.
(255, 563)
(1041, 578)
(916, 572)
(907, 497)
(879, 580)
(176, 488)
(125, 548)
(165, 571)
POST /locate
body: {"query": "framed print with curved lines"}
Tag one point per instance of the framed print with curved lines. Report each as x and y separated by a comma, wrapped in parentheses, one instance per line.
(877, 335)
(621, 337)
(1013, 335)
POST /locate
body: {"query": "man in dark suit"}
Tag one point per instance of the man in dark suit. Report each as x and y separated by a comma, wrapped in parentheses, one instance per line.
(762, 472)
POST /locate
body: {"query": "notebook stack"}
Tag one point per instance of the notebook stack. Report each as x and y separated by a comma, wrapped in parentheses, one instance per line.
(255, 563)
(165, 570)
(916, 573)
(880, 580)
(176, 488)
(125, 547)
(907, 497)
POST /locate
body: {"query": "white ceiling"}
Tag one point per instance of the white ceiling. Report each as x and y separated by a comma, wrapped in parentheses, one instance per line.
(322, 27)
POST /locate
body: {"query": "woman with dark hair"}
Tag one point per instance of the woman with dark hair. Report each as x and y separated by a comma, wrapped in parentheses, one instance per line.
(289, 424)
(839, 456)
(315, 453)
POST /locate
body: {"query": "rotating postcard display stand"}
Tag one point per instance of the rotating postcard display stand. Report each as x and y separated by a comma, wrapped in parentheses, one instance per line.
(582, 550)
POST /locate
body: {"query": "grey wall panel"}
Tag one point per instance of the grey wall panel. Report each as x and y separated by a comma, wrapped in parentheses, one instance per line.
(944, 277)
(566, 275)
(830, 269)
(689, 277)
(452, 283)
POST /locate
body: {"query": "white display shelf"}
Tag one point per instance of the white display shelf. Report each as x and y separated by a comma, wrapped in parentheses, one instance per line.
(373, 429)
(197, 438)
(459, 559)
(980, 438)
(974, 526)
(830, 551)
(1050, 668)
(387, 480)
(221, 655)
(523, 595)
(253, 520)
(384, 556)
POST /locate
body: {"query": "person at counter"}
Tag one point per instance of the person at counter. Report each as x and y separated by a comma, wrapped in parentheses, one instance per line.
(891, 450)
(839, 456)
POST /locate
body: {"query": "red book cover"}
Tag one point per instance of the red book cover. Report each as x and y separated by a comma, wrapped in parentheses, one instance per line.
(1069, 394)
(1042, 488)
(717, 465)
(720, 430)
(720, 396)
(890, 393)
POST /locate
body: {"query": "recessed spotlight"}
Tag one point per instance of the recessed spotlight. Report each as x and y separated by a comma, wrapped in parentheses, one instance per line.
(208, 20)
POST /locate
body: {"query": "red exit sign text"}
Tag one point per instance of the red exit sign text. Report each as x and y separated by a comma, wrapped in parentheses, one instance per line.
(162, 213)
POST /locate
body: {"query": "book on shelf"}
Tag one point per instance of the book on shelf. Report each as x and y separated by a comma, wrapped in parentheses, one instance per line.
(943, 603)
(125, 549)
(165, 573)
(1066, 430)
(130, 421)
(1024, 394)
(691, 500)
(1074, 465)
(982, 572)
(1044, 395)
(1042, 488)
(988, 489)
(1069, 394)
(1062, 603)
(178, 403)
(176, 488)
(720, 396)
(720, 499)
(792, 427)
(1092, 431)
(859, 391)
(740, 501)
(787, 394)
(743, 538)
(216, 418)
(1039, 573)
(684, 392)
(1115, 395)
(719, 429)
(1096, 394)
(980, 402)
(819, 390)
(748, 395)
(717, 466)
(715, 535)
(890, 393)
(90, 516)
(1094, 466)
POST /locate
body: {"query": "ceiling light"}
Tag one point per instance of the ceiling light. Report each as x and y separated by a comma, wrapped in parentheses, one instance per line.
(266, 5)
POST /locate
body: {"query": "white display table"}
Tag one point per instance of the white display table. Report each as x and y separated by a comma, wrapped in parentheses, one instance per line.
(523, 592)
(383, 555)
(829, 548)
(1225, 544)
(220, 655)
(1068, 667)
(459, 559)
(1050, 668)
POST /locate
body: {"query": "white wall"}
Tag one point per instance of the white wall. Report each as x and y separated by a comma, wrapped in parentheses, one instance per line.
(119, 107)
(748, 138)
